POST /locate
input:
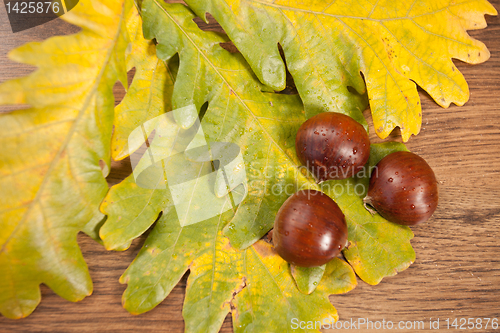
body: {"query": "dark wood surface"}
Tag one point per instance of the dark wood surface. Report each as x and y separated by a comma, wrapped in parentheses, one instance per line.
(457, 270)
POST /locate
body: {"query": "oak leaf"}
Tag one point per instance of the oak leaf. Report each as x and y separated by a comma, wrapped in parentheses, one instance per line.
(329, 44)
(50, 179)
(241, 273)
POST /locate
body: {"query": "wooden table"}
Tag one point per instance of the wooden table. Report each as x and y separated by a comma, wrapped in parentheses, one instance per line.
(457, 270)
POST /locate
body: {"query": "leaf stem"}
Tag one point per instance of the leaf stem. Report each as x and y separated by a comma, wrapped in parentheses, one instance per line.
(368, 201)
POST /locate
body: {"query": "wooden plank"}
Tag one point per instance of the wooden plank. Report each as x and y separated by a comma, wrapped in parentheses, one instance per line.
(456, 273)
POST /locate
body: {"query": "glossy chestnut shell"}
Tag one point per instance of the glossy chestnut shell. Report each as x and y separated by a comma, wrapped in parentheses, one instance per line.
(332, 146)
(309, 229)
(403, 189)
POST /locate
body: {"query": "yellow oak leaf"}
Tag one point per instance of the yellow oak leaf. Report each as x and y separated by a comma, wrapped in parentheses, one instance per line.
(50, 179)
(329, 45)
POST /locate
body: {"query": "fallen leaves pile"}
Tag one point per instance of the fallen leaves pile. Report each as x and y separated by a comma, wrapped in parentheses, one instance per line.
(57, 153)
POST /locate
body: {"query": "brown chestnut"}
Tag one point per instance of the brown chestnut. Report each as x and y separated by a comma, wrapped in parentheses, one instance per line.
(309, 229)
(403, 189)
(332, 146)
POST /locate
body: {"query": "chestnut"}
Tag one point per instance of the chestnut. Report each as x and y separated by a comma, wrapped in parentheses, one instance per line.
(309, 229)
(332, 146)
(403, 189)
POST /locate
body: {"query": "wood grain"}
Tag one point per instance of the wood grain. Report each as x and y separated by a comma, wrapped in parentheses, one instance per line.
(457, 270)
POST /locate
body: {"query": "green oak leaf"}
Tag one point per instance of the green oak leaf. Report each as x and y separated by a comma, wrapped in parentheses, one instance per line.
(307, 278)
(227, 274)
(376, 248)
(255, 284)
(262, 124)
